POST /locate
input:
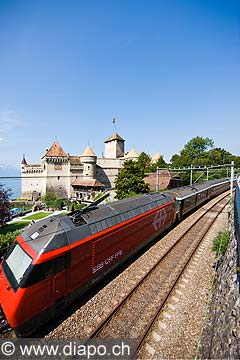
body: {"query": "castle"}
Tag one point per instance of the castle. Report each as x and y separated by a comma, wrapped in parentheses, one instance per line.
(79, 177)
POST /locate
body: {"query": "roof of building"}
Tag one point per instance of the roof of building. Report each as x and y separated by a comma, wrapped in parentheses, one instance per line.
(87, 182)
(164, 178)
(114, 136)
(75, 160)
(132, 154)
(55, 150)
(88, 152)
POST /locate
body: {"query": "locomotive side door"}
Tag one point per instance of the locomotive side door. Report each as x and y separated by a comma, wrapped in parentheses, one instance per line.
(61, 277)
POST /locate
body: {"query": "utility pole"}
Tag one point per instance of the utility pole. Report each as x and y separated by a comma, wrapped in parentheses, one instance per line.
(157, 180)
(232, 178)
(191, 176)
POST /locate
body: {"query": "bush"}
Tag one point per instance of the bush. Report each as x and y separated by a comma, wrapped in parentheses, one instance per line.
(220, 243)
(6, 240)
(49, 198)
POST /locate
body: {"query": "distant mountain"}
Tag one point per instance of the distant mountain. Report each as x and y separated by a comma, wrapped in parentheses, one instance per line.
(10, 177)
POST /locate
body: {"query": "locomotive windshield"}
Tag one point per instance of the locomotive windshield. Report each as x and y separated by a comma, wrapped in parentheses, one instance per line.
(15, 265)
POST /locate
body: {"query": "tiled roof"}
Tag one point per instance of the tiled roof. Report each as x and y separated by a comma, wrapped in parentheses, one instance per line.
(114, 136)
(75, 160)
(55, 150)
(164, 178)
(88, 152)
(87, 182)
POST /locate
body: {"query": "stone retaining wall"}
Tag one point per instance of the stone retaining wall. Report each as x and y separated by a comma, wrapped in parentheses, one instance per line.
(221, 335)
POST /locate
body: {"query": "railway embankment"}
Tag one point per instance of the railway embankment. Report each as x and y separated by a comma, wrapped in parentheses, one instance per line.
(221, 334)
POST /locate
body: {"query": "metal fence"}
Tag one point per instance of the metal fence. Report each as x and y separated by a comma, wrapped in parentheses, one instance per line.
(237, 217)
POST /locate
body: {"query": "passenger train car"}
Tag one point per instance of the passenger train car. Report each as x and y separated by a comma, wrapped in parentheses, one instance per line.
(57, 259)
(189, 197)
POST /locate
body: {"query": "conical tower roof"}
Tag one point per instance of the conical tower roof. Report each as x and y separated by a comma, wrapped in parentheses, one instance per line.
(88, 152)
(156, 157)
(24, 162)
(132, 154)
(55, 150)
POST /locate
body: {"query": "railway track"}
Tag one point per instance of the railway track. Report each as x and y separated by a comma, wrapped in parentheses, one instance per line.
(131, 316)
(135, 314)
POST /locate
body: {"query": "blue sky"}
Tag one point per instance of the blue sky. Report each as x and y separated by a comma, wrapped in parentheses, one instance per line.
(166, 70)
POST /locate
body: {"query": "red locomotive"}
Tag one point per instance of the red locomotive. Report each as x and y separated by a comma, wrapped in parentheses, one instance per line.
(59, 258)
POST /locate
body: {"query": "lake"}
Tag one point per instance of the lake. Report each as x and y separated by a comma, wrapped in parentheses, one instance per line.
(14, 185)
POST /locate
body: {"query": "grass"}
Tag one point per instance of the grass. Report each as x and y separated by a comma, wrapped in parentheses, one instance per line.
(220, 243)
(37, 216)
(15, 226)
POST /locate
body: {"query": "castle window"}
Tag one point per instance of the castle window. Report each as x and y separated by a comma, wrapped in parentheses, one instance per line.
(58, 177)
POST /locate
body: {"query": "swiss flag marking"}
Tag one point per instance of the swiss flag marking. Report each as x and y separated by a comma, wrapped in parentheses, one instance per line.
(159, 219)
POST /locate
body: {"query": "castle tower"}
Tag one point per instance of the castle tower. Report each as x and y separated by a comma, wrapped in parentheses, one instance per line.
(155, 157)
(31, 180)
(88, 159)
(56, 167)
(114, 147)
(132, 155)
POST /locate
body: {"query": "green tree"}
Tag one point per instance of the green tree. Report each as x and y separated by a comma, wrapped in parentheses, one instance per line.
(179, 160)
(196, 147)
(5, 194)
(218, 156)
(130, 180)
(236, 160)
(144, 161)
(193, 152)
(50, 199)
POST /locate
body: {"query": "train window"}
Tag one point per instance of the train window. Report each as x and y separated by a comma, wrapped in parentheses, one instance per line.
(40, 272)
(16, 264)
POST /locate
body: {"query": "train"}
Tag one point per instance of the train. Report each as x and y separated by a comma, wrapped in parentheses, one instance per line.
(58, 259)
